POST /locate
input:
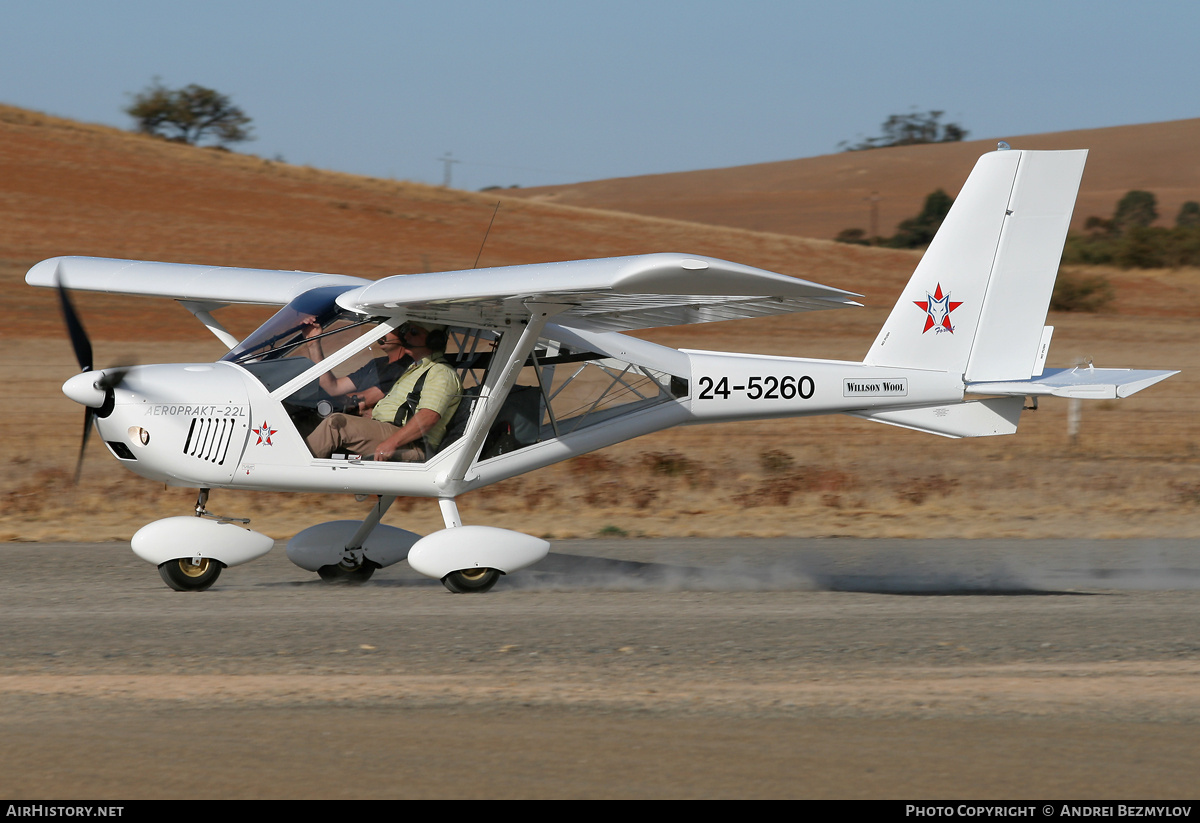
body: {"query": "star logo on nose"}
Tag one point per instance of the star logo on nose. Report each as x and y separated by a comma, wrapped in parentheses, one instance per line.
(264, 433)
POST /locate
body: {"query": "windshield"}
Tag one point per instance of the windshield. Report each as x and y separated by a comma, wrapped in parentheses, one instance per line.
(311, 318)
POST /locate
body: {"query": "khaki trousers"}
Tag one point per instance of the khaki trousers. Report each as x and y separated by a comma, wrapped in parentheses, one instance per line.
(358, 435)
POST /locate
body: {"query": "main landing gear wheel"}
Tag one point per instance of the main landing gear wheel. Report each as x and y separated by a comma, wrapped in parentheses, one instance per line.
(471, 581)
(183, 575)
(355, 575)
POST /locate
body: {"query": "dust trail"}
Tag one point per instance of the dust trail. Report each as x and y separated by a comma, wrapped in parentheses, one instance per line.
(880, 568)
(572, 572)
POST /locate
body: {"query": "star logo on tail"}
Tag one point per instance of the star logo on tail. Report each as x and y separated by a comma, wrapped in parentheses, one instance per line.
(937, 310)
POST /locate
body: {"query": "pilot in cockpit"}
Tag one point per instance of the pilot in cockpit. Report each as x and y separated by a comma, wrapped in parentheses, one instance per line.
(409, 422)
(370, 384)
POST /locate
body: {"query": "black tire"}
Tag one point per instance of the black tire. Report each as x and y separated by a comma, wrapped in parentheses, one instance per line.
(184, 576)
(471, 581)
(354, 575)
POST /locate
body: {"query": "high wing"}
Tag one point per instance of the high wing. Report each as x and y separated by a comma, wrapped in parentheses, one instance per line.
(608, 294)
(203, 284)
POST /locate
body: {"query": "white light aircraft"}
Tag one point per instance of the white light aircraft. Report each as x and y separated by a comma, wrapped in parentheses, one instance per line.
(548, 375)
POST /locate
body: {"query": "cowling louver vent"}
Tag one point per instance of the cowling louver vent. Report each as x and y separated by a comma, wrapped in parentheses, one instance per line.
(208, 438)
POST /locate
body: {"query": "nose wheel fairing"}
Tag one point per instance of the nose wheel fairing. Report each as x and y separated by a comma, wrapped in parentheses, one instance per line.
(194, 546)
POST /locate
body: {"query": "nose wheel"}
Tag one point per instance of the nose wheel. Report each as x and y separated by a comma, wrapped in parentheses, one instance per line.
(185, 575)
(470, 581)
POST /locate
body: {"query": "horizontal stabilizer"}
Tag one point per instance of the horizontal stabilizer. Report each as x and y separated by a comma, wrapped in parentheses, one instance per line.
(1086, 383)
(975, 418)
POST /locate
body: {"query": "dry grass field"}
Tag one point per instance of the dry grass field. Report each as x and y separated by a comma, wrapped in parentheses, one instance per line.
(69, 188)
(820, 196)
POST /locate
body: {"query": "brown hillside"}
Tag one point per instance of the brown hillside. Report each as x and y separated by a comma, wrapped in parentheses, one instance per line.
(69, 188)
(820, 196)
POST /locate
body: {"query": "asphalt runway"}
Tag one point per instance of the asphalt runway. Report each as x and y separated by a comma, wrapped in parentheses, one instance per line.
(621, 668)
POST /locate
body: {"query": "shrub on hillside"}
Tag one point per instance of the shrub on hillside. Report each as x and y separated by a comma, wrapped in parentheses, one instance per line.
(856, 237)
(1128, 240)
(1189, 215)
(913, 233)
(1076, 292)
(911, 129)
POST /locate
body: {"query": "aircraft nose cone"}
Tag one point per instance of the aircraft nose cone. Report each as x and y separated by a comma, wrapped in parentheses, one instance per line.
(83, 390)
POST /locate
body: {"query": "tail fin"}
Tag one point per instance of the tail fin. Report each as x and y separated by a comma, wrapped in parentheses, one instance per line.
(976, 304)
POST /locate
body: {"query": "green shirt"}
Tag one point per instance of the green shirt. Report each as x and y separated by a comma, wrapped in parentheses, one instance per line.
(441, 393)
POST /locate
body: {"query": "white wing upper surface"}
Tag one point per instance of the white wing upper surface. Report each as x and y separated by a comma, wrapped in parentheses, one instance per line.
(610, 294)
(210, 284)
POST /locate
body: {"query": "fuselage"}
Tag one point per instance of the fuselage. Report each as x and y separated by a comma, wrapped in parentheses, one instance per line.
(217, 425)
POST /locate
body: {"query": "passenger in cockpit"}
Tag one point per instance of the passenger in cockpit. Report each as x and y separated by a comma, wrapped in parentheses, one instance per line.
(408, 424)
(372, 382)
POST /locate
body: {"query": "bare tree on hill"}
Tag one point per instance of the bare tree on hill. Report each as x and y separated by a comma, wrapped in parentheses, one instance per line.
(189, 115)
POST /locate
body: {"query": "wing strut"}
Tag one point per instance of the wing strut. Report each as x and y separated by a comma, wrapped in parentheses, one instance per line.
(513, 350)
(202, 312)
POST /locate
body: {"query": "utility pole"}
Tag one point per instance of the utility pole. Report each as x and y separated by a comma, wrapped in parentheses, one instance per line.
(448, 160)
(874, 200)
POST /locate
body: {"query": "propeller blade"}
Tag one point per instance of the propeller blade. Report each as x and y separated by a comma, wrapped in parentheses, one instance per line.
(111, 378)
(83, 354)
(79, 338)
(87, 432)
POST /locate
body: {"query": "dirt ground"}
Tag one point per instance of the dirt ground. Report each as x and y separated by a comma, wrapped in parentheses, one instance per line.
(614, 669)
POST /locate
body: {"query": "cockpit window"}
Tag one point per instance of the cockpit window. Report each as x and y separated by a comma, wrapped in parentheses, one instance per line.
(312, 318)
(298, 336)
